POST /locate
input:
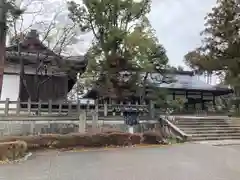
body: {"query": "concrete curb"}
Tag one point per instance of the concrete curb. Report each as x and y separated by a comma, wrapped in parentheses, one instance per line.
(226, 144)
(219, 143)
(122, 148)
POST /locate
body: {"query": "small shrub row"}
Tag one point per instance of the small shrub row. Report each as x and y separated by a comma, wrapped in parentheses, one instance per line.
(73, 140)
(15, 146)
(12, 150)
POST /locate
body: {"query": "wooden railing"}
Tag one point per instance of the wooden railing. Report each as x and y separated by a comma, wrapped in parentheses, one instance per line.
(68, 108)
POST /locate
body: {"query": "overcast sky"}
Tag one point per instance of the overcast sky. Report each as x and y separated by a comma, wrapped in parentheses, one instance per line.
(178, 24)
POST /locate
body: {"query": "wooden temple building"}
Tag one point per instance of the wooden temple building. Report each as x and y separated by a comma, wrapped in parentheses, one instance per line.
(186, 85)
(33, 71)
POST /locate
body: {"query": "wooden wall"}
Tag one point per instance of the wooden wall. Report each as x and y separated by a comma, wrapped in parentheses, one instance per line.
(54, 87)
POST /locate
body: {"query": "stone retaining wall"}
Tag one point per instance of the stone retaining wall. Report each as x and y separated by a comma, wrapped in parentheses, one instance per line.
(26, 128)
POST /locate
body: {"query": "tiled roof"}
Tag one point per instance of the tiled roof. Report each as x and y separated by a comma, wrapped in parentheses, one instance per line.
(182, 81)
(33, 49)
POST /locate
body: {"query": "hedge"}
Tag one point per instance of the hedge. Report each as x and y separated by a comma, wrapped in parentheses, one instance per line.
(12, 150)
(15, 146)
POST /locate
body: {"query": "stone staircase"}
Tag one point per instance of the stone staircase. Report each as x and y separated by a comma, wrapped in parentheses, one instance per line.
(201, 129)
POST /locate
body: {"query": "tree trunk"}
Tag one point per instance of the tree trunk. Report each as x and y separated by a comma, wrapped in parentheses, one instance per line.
(143, 92)
(2, 39)
(23, 83)
(36, 80)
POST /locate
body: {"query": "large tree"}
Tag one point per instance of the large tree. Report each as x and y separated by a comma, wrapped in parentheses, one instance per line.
(8, 11)
(123, 42)
(220, 52)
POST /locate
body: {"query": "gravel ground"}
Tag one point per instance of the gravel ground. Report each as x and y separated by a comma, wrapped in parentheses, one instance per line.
(178, 162)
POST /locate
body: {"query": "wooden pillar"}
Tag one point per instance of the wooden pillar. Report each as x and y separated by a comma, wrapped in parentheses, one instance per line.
(32, 127)
(202, 101)
(95, 118)
(105, 105)
(29, 104)
(214, 103)
(50, 106)
(151, 108)
(69, 107)
(187, 102)
(39, 106)
(214, 100)
(18, 107)
(82, 121)
(60, 108)
(6, 109)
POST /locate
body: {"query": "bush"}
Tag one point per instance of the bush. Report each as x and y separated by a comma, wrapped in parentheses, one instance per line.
(12, 150)
(33, 142)
(109, 130)
(40, 141)
(119, 139)
(152, 137)
(72, 140)
(135, 139)
(100, 140)
(85, 140)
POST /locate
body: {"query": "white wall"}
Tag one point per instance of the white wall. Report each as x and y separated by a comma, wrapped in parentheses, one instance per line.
(10, 88)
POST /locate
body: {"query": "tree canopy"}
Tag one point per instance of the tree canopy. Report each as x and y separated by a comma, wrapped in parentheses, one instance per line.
(124, 41)
(220, 51)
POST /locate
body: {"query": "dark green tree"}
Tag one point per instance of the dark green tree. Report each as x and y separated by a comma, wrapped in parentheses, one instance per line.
(220, 51)
(8, 11)
(123, 42)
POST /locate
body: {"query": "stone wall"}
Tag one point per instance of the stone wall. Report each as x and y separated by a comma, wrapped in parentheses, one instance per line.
(26, 128)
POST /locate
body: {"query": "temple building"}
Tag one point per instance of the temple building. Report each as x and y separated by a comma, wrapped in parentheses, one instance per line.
(183, 84)
(33, 71)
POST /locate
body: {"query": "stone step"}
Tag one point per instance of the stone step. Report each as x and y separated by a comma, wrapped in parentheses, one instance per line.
(214, 138)
(207, 122)
(193, 119)
(211, 131)
(209, 127)
(204, 120)
(216, 134)
(181, 126)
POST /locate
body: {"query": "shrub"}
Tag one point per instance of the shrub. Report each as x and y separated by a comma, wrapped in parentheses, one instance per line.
(100, 140)
(85, 140)
(135, 139)
(152, 137)
(109, 130)
(40, 141)
(119, 139)
(12, 150)
(72, 140)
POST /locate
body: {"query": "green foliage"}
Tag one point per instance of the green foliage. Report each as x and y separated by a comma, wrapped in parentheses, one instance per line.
(220, 51)
(123, 41)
